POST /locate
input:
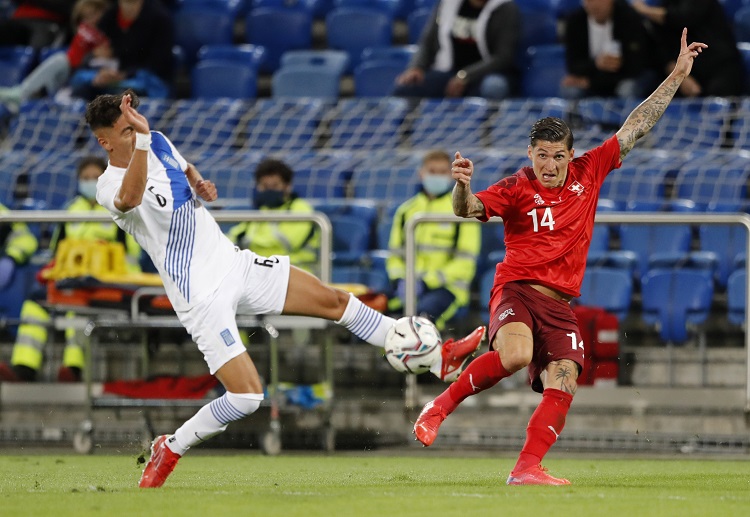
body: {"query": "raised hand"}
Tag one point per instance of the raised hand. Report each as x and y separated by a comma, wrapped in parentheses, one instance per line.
(462, 169)
(132, 117)
(688, 53)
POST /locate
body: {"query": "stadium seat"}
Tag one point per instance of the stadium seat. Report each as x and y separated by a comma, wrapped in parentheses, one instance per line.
(306, 81)
(726, 241)
(52, 179)
(544, 70)
(320, 174)
(455, 123)
(732, 6)
(353, 29)
(415, 23)
(278, 29)
(509, 125)
(283, 124)
(234, 7)
(608, 288)
(15, 64)
(197, 24)
(737, 298)
(376, 78)
(399, 53)
(208, 124)
(392, 8)
(376, 178)
(351, 238)
(366, 123)
(215, 79)
(711, 115)
(538, 29)
(246, 54)
(705, 184)
(334, 60)
(674, 300)
(645, 240)
(366, 210)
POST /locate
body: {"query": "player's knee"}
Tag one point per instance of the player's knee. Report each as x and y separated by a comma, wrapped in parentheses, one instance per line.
(240, 405)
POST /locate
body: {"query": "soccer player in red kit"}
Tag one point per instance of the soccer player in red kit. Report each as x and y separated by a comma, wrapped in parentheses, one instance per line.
(548, 211)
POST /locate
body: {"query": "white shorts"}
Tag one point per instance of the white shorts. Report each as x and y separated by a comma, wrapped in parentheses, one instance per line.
(255, 285)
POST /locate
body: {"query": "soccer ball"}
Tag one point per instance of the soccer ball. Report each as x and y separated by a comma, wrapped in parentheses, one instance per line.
(413, 344)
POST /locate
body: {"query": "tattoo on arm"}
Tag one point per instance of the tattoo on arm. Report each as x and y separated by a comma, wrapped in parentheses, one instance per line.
(644, 117)
(466, 204)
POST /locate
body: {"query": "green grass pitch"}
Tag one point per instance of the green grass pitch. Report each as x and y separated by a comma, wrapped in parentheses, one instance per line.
(368, 484)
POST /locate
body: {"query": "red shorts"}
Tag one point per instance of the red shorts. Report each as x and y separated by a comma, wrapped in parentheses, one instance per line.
(553, 325)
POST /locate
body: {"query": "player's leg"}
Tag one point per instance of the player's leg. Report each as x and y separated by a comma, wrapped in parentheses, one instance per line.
(308, 296)
(555, 374)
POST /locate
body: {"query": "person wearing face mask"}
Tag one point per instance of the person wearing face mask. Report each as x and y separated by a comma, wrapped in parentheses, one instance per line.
(274, 193)
(28, 350)
(446, 252)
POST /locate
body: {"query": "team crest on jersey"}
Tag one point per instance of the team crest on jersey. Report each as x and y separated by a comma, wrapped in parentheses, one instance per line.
(538, 199)
(166, 158)
(226, 335)
(576, 188)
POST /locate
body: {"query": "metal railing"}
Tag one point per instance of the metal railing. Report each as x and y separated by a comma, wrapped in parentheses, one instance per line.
(221, 216)
(410, 305)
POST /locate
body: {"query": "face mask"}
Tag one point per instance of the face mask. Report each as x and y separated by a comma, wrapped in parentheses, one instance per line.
(87, 188)
(269, 198)
(437, 184)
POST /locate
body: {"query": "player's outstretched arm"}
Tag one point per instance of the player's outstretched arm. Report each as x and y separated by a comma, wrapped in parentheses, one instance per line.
(465, 204)
(645, 116)
(204, 188)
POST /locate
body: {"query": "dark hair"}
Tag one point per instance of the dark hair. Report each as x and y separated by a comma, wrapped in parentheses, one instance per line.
(274, 167)
(104, 110)
(551, 129)
(91, 160)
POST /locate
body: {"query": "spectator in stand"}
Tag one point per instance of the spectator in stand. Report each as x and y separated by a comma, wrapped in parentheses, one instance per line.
(607, 52)
(274, 193)
(54, 72)
(446, 260)
(468, 48)
(37, 23)
(141, 36)
(721, 71)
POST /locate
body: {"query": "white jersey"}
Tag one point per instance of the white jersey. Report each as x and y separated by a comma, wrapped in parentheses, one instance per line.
(185, 243)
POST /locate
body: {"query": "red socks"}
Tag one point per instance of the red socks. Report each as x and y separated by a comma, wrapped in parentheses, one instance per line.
(545, 425)
(483, 372)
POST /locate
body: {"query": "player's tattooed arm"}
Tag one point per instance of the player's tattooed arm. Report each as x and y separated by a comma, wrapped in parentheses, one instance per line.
(466, 204)
(643, 118)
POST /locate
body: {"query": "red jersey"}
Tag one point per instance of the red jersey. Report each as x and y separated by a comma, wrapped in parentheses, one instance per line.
(548, 231)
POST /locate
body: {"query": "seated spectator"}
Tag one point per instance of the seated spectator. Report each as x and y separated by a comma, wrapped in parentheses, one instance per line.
(274, 193)
(607, 52)
(720, 70)
(37, 23)
(17, 245)
(447, 254)
(141, 37)
(52, 73)
(28, 350)
(468, 48)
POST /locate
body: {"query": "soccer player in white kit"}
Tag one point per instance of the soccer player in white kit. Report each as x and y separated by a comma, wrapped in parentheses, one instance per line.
(155, 195)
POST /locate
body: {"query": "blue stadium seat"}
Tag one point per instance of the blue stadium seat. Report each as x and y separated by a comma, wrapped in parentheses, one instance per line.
(608, 288)
(645, 240)
(283, 124)
(351, 238)
(365, 210)
(538, 29)
(197, 24)
(415, 23)
(234, 7)
(737, 298)
(366, 123)
(399, 53)
(334, 60)
(452, 123)
(375, 279)
(674, 299)
(376, 78)
(15, 64)
(245, 54)
(510, 124)
(215, 79)
(642, 184)
(52, 179)
(305, 81)
(726, 241)
(392, 8)
(205, 124)
(732, 6)
(741, 124)
(386, 176)
(353, 29)
(705, 184)
(278, 29)
(672, 133)
(321, 174)
(45, 124)
(544, 69)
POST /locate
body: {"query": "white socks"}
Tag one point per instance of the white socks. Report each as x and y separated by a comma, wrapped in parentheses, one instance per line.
(366, 323)
(213, 418)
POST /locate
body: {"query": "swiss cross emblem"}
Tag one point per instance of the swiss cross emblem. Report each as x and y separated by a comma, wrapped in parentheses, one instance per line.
(576, 187)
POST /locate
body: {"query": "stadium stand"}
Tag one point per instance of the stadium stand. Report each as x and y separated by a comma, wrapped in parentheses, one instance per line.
(278, 29)
(15, 64)
(353, 29)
